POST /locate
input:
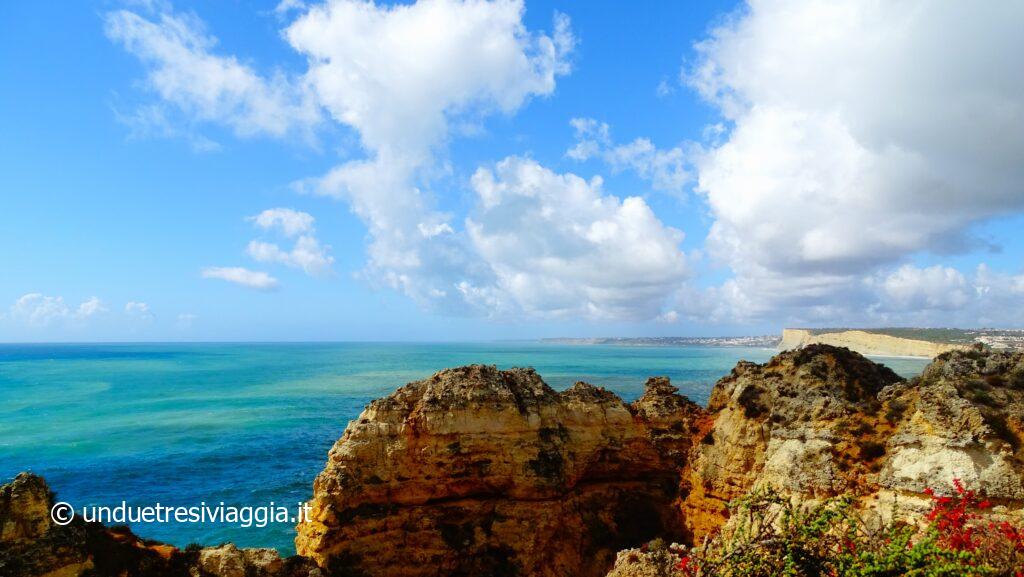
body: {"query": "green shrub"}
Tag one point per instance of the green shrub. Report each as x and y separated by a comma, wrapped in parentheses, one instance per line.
(770, 535)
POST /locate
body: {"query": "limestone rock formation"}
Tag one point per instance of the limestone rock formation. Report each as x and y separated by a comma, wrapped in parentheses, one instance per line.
(477, 471)
(962, 418)
(24, 509)
(822, 421)
(31, 545)
(804, 421)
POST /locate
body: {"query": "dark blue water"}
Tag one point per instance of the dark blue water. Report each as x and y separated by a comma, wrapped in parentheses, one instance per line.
(247, 424)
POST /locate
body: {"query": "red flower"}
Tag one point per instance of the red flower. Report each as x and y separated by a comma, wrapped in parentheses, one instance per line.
(952, 516)
(687, 565)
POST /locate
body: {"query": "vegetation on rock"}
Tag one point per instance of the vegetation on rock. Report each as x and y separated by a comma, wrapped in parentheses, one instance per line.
(772, 535)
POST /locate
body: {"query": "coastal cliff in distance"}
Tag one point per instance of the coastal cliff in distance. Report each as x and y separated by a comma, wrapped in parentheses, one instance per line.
(867, 343)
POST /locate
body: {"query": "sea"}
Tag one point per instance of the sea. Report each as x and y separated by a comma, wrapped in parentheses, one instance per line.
(250, 424)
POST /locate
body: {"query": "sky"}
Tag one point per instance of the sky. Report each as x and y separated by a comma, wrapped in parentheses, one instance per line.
(460, 170)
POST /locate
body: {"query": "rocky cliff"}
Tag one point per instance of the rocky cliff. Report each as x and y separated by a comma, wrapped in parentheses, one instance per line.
(477, 471)
(866, 343)
(31, 545)
(822, 421)
(806, 421)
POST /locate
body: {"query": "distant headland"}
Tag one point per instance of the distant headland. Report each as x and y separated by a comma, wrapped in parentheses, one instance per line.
(770, 341)
(885, 342)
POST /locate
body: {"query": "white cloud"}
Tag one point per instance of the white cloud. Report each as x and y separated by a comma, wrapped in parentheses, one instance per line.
(289, 221)
(936, 287)
(90, 307)
(39, 310)
(944, 296)
(136, 308)
(828, 171)
(307, 254)
(665, 169)
(401, 76)
(558, 245)
(397, 74)
(1001, 295)
(284, 7)
(243, 276)
(184, 72)
(862, 133)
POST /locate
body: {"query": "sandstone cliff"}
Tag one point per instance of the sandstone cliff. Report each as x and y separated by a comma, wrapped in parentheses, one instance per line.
(821, 421)
(477, 471)
(804, 421)
(866, 343)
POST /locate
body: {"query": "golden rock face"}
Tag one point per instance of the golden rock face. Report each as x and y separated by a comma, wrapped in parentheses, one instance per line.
(481, 471)
(487, 472)
(823, 421)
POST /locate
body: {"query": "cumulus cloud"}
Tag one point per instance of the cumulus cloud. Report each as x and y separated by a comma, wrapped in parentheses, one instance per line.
(559, 246)
(37, 309)
(861, 133)
(186, 73)
(936, 288)
(307, 253)
(243, 276)
(389, 74)
(1003, 295)
(401, 77)
(397, 74)
(90, 307)
(943, 295)
(665, 169)
(827, 172)
(289, 221)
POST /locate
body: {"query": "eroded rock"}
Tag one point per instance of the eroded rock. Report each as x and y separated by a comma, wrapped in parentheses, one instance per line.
(823, 421)
(477, 471)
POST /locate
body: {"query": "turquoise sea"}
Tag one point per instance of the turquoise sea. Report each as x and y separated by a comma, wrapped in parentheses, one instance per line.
(250, 424)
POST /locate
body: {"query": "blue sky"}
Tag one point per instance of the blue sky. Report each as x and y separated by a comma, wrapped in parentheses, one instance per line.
(134, 167)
